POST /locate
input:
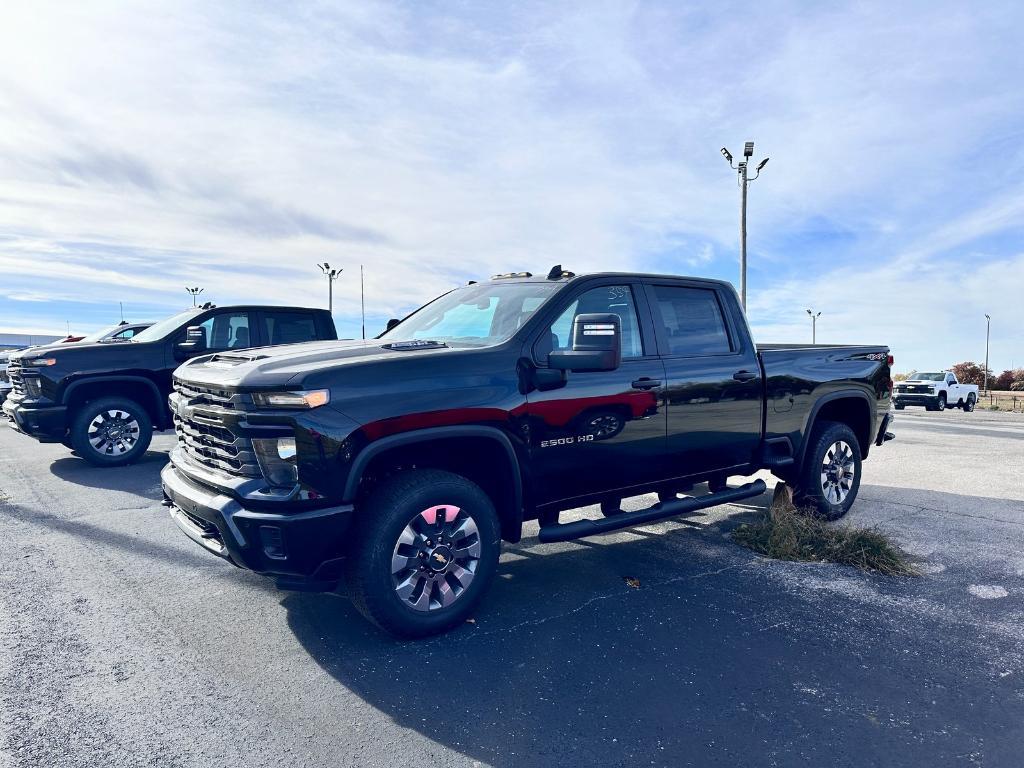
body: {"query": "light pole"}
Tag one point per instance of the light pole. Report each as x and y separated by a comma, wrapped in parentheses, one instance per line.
(743, 180)
(332, 275)
(988, 330)
(362, 299)
(195, 292)
(814, 326)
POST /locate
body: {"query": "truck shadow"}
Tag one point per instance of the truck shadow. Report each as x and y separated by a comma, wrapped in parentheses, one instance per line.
(707, 659)
(141, 478)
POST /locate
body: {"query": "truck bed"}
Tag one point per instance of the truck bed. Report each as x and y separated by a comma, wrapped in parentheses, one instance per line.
(802, 377)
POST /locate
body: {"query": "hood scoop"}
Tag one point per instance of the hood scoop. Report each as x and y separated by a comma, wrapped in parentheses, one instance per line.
(406, 346)
(231, 359)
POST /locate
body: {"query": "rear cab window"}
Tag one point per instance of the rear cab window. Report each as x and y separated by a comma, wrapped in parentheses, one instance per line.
(289, 327)
(692, 321)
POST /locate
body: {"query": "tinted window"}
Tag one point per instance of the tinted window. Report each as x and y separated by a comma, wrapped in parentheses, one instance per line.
(692, 320)
(617, 299)
(289, 327)
(227, 330)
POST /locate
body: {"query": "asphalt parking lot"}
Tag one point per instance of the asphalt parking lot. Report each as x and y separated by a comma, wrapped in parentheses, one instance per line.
(122, 643)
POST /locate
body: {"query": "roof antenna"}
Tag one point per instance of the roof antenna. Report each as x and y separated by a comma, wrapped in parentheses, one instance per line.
(557, 272)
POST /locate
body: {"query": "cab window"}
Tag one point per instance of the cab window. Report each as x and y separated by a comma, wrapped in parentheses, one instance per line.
(227, 330)
(289, 327)
(615, 299)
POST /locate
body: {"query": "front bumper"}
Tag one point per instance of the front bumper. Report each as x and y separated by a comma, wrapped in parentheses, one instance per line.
(303, 549)
(915, 399)
(47, 424)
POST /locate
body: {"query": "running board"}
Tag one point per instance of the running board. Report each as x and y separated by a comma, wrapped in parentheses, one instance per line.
(580, 528)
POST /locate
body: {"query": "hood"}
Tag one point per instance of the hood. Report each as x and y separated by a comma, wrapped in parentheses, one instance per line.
(264, 367)
(62, 351)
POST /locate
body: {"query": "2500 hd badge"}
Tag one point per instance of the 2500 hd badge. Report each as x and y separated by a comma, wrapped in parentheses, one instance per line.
(566, 441)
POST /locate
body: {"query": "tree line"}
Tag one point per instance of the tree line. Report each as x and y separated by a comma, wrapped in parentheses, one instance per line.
(1010, 380)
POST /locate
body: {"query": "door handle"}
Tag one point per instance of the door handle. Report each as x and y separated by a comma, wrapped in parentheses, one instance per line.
(744, 375)
(646, 383)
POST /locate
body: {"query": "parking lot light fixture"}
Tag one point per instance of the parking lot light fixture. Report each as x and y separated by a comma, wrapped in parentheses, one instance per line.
(332, 274)
(742, 170)
(814, 326)
(194, 292)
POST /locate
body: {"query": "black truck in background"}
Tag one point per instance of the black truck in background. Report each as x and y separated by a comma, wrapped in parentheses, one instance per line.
(105, 399)
(401, 463)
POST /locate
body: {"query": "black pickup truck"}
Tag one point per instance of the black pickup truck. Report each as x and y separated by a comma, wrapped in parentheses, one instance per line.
(400, 464)
(105, 399)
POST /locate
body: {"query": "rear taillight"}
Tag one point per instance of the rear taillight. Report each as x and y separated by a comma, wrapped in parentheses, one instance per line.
(890, 360)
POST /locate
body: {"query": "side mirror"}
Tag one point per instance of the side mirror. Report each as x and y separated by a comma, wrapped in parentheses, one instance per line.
(194, 343)
(392, 323)
(596, 345)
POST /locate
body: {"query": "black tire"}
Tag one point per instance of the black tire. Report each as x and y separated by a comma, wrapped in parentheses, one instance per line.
(941, 405)
(969, 405)
(130, 432)
(899, 406)
(823, 497)
(400, 503)
(611, 506)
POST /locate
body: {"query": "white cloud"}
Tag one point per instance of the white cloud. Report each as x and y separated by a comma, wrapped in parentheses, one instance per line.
(147, 146)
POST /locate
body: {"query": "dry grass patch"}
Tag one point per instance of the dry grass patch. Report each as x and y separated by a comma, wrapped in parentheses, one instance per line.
(788, 533)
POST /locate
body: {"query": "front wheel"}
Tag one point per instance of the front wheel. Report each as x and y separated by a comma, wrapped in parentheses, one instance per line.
(425, 551)
(941, 405)
(111, 432)
(830, 478)
(899, 406)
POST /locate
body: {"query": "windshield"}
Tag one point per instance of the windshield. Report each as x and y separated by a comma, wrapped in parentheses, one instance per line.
(916, 376)
(157, 331)
(477, 315)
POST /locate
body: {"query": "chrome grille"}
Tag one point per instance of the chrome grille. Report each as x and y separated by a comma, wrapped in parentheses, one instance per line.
(916, 389)
(15, 376)
(206, 437)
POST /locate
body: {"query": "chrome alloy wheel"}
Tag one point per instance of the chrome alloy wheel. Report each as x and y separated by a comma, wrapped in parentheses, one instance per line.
(113, 432)
(837, 472)
(435, 558)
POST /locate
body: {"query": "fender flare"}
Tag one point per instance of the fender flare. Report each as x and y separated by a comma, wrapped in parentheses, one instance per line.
(158, 400)
(377, 447)
(812, 417)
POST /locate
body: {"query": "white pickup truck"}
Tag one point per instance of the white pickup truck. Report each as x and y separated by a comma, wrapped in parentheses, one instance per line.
(935, 391)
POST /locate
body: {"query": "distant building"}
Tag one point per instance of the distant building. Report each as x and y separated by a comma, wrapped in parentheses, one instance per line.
(19, 340)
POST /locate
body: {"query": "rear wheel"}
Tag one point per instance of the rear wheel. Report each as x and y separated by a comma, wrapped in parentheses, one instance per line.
(111, 432)
(900, 406)
(426, 550)
(969, 405)
(830, 478)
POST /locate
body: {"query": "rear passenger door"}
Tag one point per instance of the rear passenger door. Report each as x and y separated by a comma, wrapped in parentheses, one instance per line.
(714, 388)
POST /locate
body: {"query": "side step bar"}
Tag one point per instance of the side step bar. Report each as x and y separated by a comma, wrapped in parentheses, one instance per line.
(580, 528)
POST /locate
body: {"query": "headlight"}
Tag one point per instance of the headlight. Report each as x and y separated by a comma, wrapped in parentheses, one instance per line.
(277, 460)
(38, 362)
(313, 398)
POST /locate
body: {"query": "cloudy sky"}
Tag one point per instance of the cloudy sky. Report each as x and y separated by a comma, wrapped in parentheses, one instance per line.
(145, 147)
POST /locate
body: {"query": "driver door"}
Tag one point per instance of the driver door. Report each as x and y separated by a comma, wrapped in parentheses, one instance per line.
(602, 431)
